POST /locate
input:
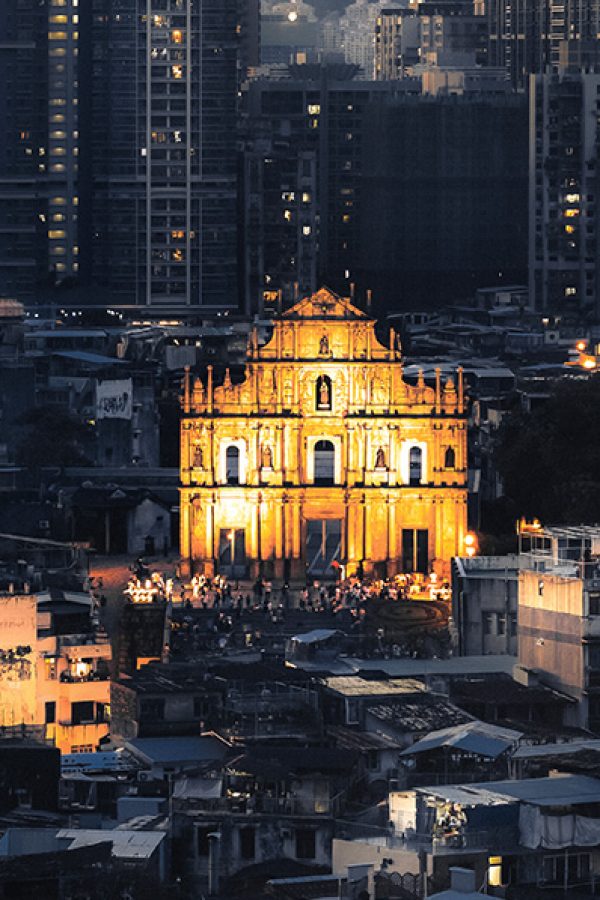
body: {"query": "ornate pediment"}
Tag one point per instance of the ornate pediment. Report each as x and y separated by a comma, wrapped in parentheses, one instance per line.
(325, 304)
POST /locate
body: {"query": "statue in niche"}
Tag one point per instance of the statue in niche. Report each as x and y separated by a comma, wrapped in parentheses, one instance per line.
(323, 392)
(380, 459)
(449, 458)
(288, 393)
(198, 457)
(324, 346)
(267, 457)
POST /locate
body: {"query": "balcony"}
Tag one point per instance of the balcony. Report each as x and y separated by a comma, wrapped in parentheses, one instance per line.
(494, 841)
(67, 678)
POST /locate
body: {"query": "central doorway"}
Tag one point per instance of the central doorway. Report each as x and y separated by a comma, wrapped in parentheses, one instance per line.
(232, 552)
(323, 547)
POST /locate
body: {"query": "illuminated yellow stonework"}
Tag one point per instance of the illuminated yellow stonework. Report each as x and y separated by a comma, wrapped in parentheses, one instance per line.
(391, 484)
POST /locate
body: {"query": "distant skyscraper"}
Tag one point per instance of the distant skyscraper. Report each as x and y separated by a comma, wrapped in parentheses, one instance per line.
(358, 34)
(163, 151)
(533, 36)
(38, 145)
(249, 29)
(564, 253)
(397, 42)
(441, 199)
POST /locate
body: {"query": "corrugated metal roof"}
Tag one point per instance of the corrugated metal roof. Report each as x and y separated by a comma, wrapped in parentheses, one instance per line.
(473, 737)
(125, 844)
(564, 748)
(179, 749)
(314, 636)
(560, 790)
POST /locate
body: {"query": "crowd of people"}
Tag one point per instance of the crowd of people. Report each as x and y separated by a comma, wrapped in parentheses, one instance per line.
(219, 593)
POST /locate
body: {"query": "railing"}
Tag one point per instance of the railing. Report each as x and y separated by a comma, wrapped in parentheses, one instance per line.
(279, 806)
(491, 839)
(84, 679)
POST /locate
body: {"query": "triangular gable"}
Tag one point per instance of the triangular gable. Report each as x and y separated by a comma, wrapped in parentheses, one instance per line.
(324, 304)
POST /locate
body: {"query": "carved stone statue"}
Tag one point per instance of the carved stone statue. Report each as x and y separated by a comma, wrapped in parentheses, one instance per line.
(380, 459)
(267, 457)
(323, 393)
(198, 457)
(324, 346)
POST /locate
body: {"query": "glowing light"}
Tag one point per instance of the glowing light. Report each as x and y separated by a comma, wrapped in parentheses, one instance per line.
(581, 345)
(471, 543)
(292, 15)
(589, 362)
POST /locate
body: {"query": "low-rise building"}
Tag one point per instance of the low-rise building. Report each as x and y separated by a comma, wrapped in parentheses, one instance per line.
(54, 669)
(534, 833)
(559, 615)
(484, 604)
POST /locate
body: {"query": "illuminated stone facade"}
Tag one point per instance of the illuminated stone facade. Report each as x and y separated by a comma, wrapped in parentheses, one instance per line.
(322, 454)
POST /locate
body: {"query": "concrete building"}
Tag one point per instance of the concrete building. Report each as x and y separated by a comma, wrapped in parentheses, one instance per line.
(39, 145)
(397, 43)
(563, 201)
(431, 171)
(61, 669)
(303, 465)
(527, 36)
(501, 830)
(161, 154)
(453, 33)
(304, 160)
(484, 604)
(559, 616)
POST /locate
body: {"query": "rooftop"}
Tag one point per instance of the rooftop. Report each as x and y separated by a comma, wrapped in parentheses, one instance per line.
(282, 760)
(559, 790)
(355, 686)
(413, 668)
(130, 845)
(502, 688)
(478, 738)
(172, 750)
(419, 714)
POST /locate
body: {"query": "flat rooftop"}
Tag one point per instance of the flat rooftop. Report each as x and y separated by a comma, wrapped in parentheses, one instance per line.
(413, 668)
(355, 686)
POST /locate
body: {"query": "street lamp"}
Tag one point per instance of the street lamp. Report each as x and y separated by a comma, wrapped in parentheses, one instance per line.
(471, 543)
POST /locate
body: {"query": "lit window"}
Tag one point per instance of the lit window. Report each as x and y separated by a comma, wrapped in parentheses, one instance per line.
(177, 71)
(570, 213)
(306, 229)
(305, 197)
(177, 37)
(314, 109)
(495, 871)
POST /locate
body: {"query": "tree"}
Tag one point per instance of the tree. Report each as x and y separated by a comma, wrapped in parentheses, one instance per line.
(51, 438)
(549, 459)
